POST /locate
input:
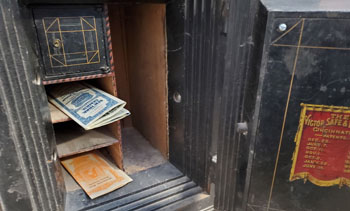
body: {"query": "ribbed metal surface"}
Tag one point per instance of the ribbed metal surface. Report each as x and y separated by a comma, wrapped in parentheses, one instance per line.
(155, 197)
(210, 208)
(198, 67)
(191, 45)
(239, 67)
(27, 175)
(160, 187)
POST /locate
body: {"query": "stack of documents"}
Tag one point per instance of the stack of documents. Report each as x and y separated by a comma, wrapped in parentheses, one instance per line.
(88, 106)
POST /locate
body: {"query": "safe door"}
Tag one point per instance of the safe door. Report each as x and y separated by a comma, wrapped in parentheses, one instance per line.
(296, 150)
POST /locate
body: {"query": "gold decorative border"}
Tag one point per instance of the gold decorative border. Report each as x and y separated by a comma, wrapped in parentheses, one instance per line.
(306, 175)
(298, 47)
(64, 54)
(302, 22)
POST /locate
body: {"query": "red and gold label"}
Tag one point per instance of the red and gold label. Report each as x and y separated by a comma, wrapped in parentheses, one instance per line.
(322, 152)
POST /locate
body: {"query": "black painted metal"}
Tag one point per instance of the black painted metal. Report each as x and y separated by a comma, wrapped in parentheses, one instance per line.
(256, 89)
(214, 57)
(175, 18)
(191, 45)
(241, 62)
(149, 187)
(89, 1)
(314, 75)
(29, 180)
(78, 53)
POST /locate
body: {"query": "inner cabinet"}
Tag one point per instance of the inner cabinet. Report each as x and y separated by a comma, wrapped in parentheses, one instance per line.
(120, 49)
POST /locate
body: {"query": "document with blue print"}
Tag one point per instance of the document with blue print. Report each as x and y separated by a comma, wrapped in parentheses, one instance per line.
(88, 106)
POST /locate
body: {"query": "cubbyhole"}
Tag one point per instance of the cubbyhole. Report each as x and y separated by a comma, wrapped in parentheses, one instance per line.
(140, 141)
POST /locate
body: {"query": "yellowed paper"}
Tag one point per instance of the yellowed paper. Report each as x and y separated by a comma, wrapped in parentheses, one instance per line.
(95, 174)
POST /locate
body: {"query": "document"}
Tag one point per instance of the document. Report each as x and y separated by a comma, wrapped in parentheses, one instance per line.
(88, 106)
(95, 174)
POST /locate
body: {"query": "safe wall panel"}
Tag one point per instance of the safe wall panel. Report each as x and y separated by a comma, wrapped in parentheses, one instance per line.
(305, 64)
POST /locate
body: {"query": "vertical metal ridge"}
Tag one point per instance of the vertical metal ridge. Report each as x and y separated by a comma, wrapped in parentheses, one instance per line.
(230, 182)
(23, 113)
(213, 44)
(188, 33)
(207, 96)
(221, 135)
(229, 98)
(195, 81)
(237, 66)
(13, 108)
(18, 147)
(194, 85)
(206, 86)
(41, 135)
(199, 95)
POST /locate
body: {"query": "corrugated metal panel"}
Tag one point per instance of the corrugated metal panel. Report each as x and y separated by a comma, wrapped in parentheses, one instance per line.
(197, 96)
(242, 46)
(28, 179)
(192, 75)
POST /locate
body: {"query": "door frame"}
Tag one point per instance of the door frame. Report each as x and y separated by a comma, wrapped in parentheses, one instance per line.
(38, 183)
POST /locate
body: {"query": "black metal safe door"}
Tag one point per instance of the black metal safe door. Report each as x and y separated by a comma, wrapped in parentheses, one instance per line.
(72, 41)
(307, 65)
(296, 153)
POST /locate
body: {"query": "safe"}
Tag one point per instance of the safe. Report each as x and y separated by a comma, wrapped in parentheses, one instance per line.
(235, 105)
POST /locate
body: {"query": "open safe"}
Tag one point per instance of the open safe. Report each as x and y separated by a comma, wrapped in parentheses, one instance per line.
(135, 70)
(219, 91)
(133, 50)
(122, 50)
